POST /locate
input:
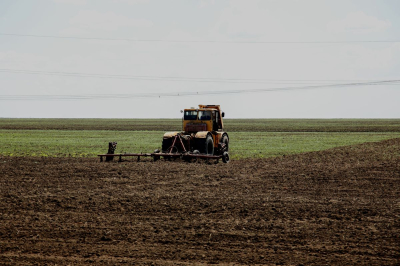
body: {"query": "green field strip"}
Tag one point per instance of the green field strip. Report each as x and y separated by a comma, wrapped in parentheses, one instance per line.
(89, 143)
(268, 144)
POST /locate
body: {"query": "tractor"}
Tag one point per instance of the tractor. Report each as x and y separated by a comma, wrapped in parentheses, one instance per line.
(202, 133)
(202, 136)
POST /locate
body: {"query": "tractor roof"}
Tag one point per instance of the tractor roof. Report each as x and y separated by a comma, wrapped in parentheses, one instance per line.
(205, 107)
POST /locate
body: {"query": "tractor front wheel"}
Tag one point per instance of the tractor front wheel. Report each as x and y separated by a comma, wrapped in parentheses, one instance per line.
(225, 141)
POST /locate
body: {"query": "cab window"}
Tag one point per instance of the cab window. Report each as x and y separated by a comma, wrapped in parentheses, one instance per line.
(204, 115)
(190, 115)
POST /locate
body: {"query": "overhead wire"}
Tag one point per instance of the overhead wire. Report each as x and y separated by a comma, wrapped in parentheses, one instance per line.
(189, 93)
(176, 78)
(191, 79)
(194, 41)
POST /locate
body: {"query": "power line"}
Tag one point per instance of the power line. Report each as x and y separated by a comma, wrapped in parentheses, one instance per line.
(194, 41)
(187, 93)
(176, 78)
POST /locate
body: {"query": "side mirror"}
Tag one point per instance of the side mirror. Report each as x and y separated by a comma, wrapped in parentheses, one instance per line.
(223, 114)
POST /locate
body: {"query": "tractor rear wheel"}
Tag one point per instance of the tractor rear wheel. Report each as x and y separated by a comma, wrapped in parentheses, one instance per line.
(206, 146)
(166, 144)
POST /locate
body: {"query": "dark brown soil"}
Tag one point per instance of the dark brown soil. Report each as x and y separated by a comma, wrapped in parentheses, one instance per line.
(335, 207)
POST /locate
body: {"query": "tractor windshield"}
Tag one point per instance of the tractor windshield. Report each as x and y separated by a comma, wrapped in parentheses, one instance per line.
(190, 115)
(204, 115)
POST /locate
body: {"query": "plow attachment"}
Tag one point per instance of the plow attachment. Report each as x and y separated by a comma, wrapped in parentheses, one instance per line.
(157, 156)
(170, 154)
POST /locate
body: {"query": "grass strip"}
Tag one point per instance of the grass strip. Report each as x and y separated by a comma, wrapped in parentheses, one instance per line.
(89, 143)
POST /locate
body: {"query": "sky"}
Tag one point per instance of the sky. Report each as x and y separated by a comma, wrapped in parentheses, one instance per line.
(153, 58)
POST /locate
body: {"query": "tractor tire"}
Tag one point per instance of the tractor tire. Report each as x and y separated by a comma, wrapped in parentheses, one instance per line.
(225, 140)
(206, 146)
(225, 157)
(166, 144)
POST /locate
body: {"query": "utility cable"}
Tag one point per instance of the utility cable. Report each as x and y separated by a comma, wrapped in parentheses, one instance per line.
(193, 41)
(175, 78)
(178, 94)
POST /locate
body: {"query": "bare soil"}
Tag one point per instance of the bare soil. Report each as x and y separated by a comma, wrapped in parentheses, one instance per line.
(334, 207)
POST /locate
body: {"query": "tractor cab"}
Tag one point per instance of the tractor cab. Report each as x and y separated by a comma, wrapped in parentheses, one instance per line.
(204, 118)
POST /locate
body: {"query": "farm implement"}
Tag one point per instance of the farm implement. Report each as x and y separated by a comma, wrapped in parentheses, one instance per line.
(203, 137)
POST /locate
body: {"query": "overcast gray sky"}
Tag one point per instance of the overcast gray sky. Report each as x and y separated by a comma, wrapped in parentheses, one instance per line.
(152, 58)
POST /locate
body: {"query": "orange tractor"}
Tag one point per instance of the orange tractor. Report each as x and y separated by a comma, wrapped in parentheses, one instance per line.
(202, 136)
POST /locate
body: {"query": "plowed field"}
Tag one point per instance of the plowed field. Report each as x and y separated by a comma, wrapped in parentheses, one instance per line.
(335, 207)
